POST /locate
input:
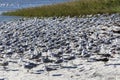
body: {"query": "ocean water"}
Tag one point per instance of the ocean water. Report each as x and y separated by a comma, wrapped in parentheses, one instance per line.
(8, 5)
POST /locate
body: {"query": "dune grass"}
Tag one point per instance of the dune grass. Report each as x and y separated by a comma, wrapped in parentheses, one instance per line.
(74, 8)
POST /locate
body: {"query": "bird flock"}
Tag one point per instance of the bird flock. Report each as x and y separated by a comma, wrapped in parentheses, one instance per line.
(55, 41)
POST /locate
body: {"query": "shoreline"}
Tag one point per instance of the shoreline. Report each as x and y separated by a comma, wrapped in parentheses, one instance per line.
(8, 6)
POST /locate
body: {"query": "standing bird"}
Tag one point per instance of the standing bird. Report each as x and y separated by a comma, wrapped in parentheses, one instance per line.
(105, 60)
(36, 56)
(59, 61)
(49, 68)
(58, 55)
(46, 59)
(106, 55)
(84, 52)
(30, 66)
(4, 64)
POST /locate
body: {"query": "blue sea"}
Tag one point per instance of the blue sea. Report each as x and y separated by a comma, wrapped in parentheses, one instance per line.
(9, 5)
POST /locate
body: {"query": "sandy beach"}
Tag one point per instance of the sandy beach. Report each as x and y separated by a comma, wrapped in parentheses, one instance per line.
(66, 48)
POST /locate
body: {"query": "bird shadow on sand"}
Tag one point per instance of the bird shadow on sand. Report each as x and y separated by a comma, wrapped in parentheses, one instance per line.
(113, 64)
(11, 69)
(37, 72)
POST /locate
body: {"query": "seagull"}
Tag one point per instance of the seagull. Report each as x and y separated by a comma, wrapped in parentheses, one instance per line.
(84, 52)
(45, 59)
(48, 69)
(71, 57)
(58, 61)
(102, 59)
(106, 55)
(105, 60)
(58, 55)
(30, 65)
(36, 56)
(4, 64)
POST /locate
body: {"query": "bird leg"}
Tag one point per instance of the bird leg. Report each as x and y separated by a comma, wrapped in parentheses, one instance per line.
(72, 62)
(60, 66)
(28, 70)
(4, 67)
(48, 73)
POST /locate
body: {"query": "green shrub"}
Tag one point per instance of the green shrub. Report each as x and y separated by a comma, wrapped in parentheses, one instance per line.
(74, 8)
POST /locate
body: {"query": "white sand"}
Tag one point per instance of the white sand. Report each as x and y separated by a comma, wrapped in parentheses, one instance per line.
(84, 71)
